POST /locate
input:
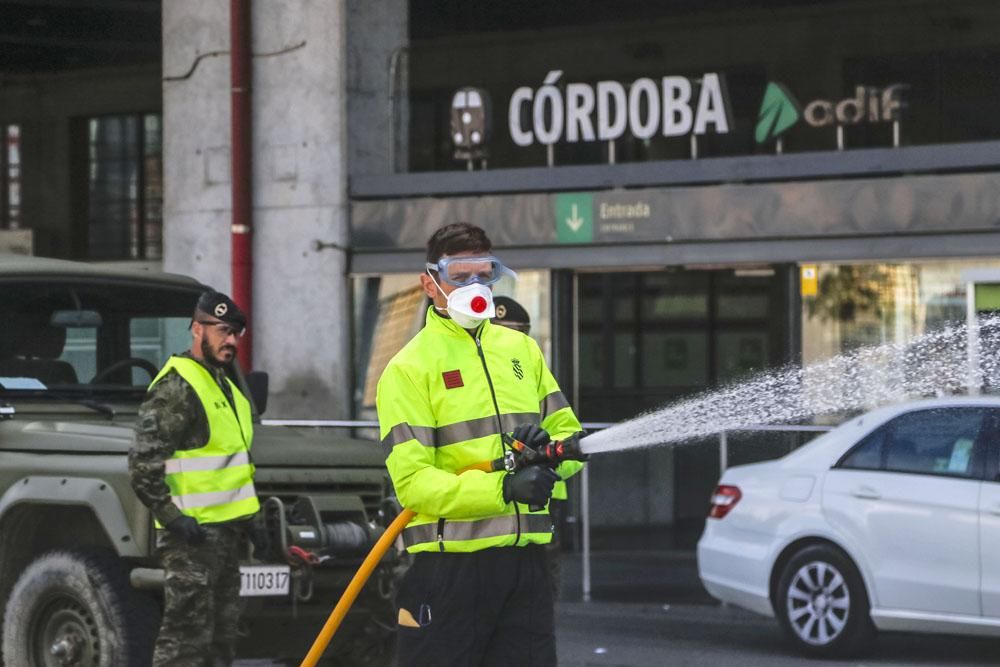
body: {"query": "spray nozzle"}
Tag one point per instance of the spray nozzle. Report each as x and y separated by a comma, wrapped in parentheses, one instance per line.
(551, 454)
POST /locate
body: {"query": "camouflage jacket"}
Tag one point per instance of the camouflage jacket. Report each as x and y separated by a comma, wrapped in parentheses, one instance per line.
(171, 418)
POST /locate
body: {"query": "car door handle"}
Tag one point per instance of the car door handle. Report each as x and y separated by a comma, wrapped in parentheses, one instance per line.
(995, 509)
(865, 492)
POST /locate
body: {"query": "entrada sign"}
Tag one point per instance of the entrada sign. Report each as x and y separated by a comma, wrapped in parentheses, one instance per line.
(646, 108)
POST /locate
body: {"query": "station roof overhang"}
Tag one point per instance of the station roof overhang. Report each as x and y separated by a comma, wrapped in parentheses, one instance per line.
(904, 203)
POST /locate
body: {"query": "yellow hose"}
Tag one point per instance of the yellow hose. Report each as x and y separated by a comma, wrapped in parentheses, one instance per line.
(353, 588)
(362, 575)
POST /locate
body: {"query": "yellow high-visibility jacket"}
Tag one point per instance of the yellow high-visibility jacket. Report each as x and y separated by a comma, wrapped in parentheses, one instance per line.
(442, 403)
(214, 483)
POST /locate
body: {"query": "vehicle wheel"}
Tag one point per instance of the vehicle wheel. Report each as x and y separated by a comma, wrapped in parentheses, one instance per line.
(822, 604)
(70, 608)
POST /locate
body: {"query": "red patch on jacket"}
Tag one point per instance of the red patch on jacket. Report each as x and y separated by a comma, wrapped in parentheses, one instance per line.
(452, 379)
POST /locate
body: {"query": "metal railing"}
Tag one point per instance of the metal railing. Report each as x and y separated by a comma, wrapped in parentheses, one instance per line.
(321, 423)
(361, 423)
(584, 475)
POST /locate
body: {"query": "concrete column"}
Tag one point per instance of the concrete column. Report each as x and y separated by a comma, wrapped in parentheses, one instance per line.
(377, 84)
(301, 310)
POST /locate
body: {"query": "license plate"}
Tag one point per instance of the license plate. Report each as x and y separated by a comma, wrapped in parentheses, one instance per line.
(259, 580)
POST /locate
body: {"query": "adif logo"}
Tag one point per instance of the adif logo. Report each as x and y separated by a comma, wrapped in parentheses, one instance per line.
(872, 104)
(516, 364)
(780, 111)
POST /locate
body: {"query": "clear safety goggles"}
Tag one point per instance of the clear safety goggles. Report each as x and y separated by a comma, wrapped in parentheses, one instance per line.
(463, 271)
(224, 328)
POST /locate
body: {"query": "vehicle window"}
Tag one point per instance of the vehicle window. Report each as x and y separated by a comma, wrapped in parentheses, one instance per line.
(80, 351)
(156, 338)
(934, 441)
(867, 454)
(60, 339)
(35, 354)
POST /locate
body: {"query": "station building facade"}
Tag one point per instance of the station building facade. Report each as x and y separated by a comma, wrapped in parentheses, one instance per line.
(691, 192)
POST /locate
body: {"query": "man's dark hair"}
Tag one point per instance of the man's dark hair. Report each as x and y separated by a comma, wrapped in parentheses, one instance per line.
(457, 237)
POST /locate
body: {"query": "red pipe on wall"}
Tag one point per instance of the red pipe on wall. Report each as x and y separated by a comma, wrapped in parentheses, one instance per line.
(240, 74)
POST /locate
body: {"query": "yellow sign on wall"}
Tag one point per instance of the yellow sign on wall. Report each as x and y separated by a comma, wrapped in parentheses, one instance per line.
(808, 279)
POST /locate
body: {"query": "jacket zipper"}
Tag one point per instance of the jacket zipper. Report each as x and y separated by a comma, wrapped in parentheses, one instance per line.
(496, 407)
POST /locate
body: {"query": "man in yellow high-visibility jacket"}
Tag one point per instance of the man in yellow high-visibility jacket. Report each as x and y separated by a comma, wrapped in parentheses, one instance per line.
(479, 589)
(191, 466)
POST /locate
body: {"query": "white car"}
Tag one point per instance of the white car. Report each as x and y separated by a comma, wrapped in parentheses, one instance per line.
(891, 521)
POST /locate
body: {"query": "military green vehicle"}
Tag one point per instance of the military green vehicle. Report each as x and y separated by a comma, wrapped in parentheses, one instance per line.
(79, 581)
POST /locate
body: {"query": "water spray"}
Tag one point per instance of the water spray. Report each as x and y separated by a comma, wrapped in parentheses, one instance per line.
(934, 364)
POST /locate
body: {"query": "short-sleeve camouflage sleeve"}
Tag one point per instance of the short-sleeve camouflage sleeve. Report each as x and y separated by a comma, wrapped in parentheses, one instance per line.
(170, 418)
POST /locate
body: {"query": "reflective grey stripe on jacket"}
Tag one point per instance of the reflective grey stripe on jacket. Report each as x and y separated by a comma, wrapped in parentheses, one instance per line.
(552, 403)
(193, 500)
(459, 431)
(401, 433)
(474, 530)
(203, 463)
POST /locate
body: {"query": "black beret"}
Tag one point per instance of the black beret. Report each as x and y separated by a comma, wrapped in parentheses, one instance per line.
(221, 307)
(509, 310)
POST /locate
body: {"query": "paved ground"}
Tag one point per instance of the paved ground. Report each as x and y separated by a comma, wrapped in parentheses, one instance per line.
(645, 635)
(661, 576)
(649, 610)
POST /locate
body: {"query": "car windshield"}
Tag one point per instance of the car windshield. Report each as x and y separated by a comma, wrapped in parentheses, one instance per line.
(67, 340)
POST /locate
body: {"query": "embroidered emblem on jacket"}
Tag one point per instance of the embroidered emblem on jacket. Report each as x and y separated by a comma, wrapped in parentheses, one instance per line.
(452, 379)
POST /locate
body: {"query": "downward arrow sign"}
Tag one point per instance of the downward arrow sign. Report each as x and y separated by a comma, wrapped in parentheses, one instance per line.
(574, 217)
(574, 222)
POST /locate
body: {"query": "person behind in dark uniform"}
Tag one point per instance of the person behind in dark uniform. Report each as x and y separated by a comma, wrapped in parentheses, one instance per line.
(511, 314)
(190, 465)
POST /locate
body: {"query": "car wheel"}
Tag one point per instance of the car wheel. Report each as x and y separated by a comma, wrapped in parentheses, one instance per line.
(71, 608)
(822, 603)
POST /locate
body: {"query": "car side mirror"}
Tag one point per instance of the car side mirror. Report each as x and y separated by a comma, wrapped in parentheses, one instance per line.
(257, 383)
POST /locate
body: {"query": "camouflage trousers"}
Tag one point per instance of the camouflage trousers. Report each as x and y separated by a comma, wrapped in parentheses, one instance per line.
(201, 598)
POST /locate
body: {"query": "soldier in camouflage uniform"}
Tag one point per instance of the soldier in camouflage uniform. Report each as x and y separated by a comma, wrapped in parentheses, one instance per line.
(178, 423)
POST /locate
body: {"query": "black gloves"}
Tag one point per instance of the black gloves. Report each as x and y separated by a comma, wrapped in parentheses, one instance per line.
(259, 538)
(531, 486)
(532, 435)
(188, 529)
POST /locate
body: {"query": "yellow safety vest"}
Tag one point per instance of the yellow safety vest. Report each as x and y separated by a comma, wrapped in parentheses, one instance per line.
(213, 483)
(443, 402)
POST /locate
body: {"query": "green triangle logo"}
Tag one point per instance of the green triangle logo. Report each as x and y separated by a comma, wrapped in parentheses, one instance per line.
(778, 112)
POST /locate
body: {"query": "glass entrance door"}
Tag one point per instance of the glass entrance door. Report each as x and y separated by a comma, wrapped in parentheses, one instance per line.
(650, 338)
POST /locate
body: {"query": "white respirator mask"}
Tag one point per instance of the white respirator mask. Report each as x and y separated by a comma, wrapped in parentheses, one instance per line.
(469, 306)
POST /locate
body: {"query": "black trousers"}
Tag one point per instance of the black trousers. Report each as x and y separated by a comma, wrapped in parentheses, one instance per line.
(490, 607)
